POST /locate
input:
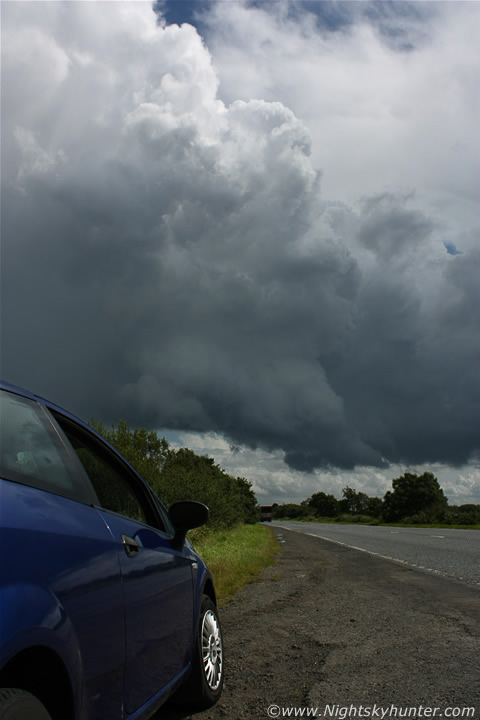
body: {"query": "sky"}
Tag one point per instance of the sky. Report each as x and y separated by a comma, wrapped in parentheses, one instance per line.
(252, 226)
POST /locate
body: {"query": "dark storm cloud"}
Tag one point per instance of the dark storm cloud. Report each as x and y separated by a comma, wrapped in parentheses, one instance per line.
(169, 260)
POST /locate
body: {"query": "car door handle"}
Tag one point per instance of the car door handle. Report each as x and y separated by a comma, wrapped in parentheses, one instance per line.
(130, 545)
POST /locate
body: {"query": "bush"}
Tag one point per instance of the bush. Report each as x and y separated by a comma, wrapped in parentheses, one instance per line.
(187, 476)
(346, 518)
(464, 514)
(291, 511)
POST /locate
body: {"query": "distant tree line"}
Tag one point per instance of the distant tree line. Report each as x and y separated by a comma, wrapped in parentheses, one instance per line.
(413, 499)
(183, 475)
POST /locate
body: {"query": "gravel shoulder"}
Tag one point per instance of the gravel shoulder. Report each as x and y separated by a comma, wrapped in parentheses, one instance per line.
(330, 626)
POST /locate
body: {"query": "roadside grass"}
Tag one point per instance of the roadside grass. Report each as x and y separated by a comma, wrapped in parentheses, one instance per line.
(365, 520)
(235, 556)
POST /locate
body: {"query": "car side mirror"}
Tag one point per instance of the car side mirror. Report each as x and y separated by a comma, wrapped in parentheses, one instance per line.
(185, 516)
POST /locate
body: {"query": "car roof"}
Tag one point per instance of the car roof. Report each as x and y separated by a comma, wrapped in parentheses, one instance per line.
(38, 398)
(19, 391)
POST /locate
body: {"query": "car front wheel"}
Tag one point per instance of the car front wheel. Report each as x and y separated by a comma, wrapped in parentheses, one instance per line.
(205, 684)
(16, 703)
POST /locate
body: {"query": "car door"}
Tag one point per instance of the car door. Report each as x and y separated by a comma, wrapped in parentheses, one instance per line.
(157, 579)
(157, 591)
(60, 581)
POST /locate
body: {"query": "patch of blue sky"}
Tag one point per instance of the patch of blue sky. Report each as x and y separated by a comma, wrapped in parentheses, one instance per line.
(171, 436)
(402, 25)
(452, 249)
(177, 12)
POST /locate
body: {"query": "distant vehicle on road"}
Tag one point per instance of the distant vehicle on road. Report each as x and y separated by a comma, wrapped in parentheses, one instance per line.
(266, 513)
(106, 609)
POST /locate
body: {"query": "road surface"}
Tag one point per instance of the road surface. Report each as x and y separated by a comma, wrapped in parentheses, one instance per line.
(448, 552)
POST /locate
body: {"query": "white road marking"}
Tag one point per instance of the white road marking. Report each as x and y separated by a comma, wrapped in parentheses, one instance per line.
(375, 554)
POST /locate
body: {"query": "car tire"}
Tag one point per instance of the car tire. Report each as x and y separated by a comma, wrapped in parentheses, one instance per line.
(16, 704)
(205, 683)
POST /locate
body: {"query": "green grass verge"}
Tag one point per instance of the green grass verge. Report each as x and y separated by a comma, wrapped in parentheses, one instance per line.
(236, 556)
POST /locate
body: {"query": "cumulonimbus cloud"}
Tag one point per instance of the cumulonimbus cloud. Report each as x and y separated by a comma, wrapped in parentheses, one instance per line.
(169, 258)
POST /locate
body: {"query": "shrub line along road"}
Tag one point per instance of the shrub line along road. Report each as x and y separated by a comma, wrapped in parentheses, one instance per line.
(445, 551)
(329, 626)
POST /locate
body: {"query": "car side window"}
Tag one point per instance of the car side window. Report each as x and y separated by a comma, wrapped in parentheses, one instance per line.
(115, 486)
(112, 490)
(32, 452)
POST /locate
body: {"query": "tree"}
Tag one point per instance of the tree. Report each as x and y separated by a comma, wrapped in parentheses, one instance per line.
(143, 449)
(355, 503)
(323, 505)
(375, 507)
(183, 475)
(413, 494)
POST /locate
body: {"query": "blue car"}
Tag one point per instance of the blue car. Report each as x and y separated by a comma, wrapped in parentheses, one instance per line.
(106, 611)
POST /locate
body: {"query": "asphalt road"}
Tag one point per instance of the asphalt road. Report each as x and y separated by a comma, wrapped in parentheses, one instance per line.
(448, 552)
